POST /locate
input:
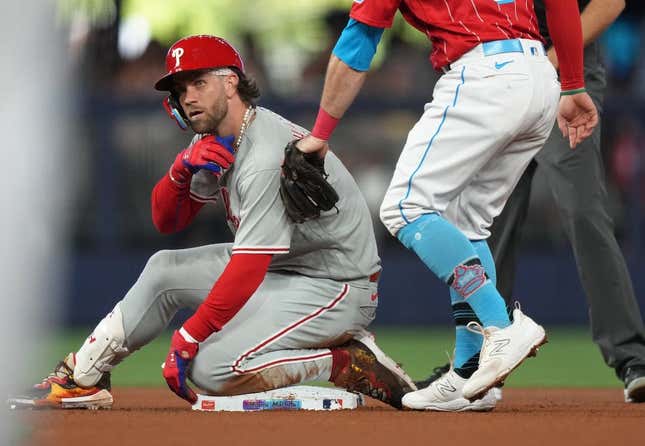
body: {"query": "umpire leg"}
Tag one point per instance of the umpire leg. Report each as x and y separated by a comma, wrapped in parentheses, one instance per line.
(506, 234)
(577, 181)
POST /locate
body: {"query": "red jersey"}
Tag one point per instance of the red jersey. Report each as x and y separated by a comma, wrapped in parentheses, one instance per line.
(454, 26)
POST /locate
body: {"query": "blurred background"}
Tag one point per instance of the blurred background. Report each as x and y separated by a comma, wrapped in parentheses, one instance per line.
(79, 101)
(117, 47)
(86, 138)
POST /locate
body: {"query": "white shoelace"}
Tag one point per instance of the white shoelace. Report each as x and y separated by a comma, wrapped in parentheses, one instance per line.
(476, 327)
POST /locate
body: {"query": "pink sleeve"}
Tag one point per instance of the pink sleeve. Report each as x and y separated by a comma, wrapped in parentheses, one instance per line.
(377, 13)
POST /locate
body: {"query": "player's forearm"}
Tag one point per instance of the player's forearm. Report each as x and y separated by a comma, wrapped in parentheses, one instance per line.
(241, 277)
(597, 16)
(346, 73)
(342, 85)
(172, 207)
(563, 21)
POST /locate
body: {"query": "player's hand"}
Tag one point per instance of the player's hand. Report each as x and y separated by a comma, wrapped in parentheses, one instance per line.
(311, 144)
(212, 153)
(577, 117)
(181, 353)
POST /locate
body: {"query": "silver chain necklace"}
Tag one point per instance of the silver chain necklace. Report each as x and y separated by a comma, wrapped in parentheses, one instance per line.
(245, 124)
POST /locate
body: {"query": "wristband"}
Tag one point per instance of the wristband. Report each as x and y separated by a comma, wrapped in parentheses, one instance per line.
(325, 125)
(187, 337)
(572, 92)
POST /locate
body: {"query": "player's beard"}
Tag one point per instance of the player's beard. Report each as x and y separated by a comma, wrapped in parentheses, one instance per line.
(211, 118)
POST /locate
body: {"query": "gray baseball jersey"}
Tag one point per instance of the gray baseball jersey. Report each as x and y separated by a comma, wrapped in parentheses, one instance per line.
(339, 245)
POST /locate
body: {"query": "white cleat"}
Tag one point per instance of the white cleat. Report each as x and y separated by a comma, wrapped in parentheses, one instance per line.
(502, 351)
(445, 395)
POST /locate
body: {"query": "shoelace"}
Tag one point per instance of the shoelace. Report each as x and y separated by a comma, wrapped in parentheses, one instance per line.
(451, 364)
(59, 375)
(475, 327)
(438, 372)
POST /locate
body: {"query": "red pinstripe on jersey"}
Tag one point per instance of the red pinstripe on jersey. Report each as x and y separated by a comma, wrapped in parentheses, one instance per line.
(454, 26)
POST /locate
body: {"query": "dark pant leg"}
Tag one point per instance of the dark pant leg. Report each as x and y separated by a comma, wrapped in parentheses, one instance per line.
(577, 181)
(506, 233)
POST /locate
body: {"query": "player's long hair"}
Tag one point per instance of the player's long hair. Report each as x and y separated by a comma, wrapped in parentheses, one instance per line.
(247, 88)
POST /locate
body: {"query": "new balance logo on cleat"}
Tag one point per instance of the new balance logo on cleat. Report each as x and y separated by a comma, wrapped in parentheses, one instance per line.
(445, 395)
(446, 387)
(500, 344)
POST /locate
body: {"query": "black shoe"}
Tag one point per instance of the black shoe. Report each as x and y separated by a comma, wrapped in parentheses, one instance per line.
(437, 373)
(634, 379)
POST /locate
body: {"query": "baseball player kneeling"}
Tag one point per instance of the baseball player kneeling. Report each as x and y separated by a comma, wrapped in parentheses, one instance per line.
(284, 303)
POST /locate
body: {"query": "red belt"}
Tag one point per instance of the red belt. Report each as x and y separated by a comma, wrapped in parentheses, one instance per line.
(374, 277)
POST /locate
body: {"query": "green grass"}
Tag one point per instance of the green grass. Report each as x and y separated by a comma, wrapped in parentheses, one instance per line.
(570, 359)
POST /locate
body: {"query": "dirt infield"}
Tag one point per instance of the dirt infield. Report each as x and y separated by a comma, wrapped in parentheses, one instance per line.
(544, 417)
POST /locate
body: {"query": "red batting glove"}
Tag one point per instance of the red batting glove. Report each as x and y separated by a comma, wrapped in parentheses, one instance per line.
(179, 173)
(175, 369)
(211, 153)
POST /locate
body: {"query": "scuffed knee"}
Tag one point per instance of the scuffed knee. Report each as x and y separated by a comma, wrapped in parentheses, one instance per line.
(210, 370)
(202, 377)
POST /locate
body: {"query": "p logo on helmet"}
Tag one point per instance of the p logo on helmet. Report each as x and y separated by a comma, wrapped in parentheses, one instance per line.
(190, 54)
(177, 53)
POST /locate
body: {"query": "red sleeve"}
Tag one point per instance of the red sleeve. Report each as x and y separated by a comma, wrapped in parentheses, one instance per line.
(565, 28)
(172, 207)
(241, 277)
(379, 14)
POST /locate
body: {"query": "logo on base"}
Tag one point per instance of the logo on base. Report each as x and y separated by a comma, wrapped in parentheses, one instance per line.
(208, 405)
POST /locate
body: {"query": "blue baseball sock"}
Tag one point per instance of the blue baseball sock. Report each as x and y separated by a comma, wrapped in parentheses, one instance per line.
(453, 258)
(467, 343)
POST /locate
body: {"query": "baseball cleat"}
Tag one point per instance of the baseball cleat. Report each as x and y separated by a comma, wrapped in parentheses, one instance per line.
(371, 372)
(634, 378)
(445, 395)
(502, 351)
(437, 373)
(59, 391)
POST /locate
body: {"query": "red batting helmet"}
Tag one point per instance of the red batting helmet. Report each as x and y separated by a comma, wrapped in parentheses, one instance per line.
(198, 53)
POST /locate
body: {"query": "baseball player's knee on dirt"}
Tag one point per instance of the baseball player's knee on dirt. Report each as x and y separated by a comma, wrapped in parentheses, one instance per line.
(237, 384)
(102, 350)
(215, 371)
(205, 375)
